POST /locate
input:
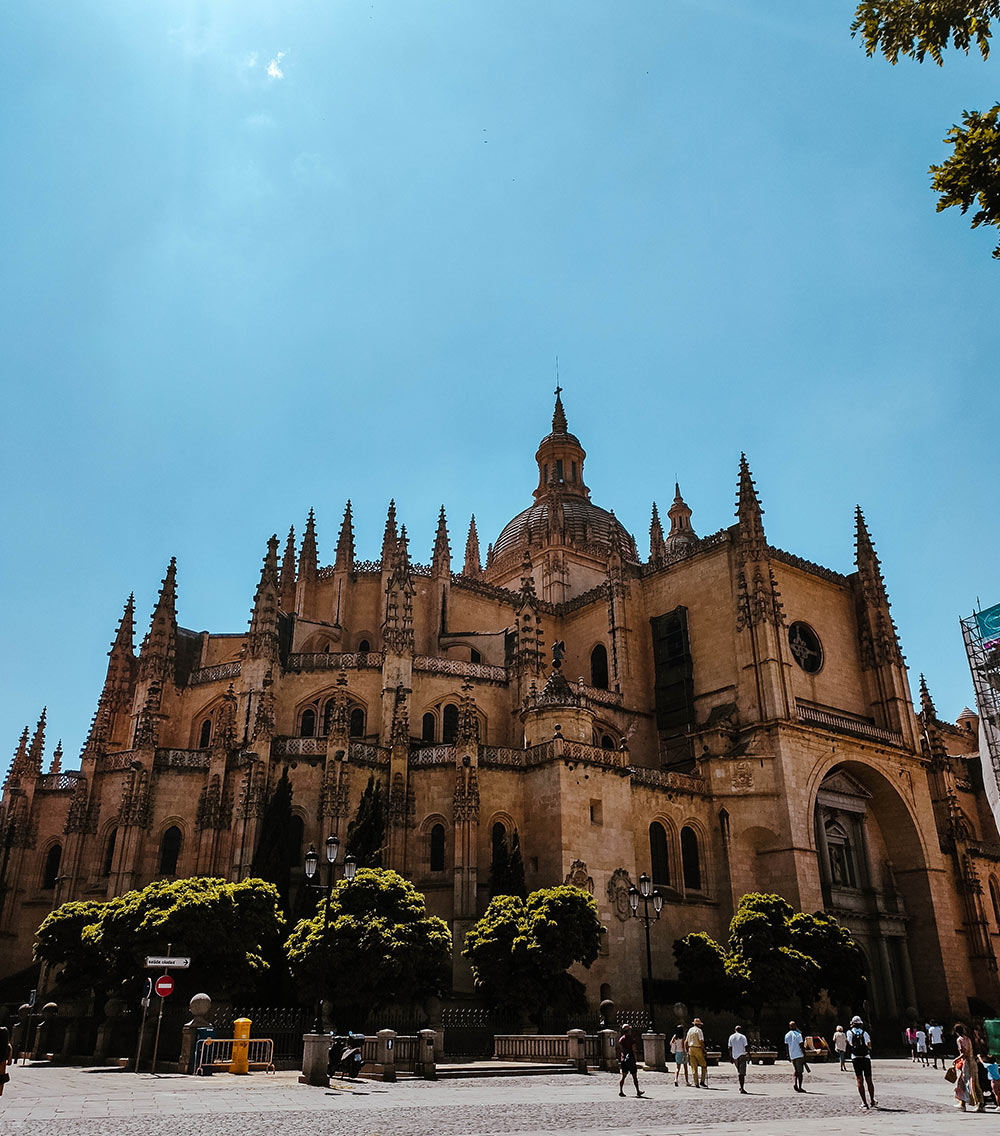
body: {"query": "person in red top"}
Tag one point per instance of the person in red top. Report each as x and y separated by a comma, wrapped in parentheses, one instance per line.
(626, 1058)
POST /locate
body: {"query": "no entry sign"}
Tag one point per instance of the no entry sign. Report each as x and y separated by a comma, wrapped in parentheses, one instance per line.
(164, 985)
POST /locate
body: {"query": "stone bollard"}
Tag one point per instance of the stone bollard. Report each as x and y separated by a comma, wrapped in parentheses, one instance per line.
(42, 1031)
(385, 1053)
(575, 1049)
(315, 1059)
(654, 1047)
(425, 1056)
(200, 1005)
(113, 1009)
(609, 1051)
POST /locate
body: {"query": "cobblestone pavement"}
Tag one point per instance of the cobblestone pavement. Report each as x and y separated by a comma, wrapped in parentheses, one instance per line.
(43, 1101)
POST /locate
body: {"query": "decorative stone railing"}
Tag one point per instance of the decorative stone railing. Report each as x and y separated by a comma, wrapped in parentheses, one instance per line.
(56, 782)
(335, 661)
(112, 761)
(592, 755)
(431, 664)
(298, 747)
(502, 757)
(665, 779)
(557, 1049)
(600, 696)
(433, 755)
(219, 672)
(366, 753)
(845, 724)
(181, 759)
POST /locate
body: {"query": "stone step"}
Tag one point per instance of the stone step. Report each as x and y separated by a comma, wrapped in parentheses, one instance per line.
(502, 1069)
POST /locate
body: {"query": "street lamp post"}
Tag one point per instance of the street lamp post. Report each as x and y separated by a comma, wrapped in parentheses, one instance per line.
(332, 846)
(648, 894)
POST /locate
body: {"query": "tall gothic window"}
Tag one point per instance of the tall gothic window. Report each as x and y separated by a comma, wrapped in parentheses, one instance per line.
(50, 875)
(307, 728)
(658, 859)
(450, 720)
(109, 852)
(995, 896)
(205, 737)
(690, 859)
(357, 722)
(427, 728)
(437, 848)
(296, 832)
(499, 837)
(843, 866)
(170, 850)
(599, 667)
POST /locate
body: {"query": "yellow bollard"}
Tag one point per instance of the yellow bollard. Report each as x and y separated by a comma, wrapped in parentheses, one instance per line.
(241, 1046)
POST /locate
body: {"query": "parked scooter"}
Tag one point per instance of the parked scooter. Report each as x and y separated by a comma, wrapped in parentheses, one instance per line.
(346, 1056)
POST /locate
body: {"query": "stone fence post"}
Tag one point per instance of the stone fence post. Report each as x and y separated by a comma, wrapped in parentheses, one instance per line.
(609, 1051)
(575, 1049)
(315, 1058)
(425, 1056)
(199, 1006)
(654, 1050)
(385, 1053)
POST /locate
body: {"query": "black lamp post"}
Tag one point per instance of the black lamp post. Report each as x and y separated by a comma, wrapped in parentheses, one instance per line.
(648, 894)
(332, 846)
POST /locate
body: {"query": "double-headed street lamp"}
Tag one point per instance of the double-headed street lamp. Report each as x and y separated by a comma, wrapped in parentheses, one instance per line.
(332, 846)
(648, 894)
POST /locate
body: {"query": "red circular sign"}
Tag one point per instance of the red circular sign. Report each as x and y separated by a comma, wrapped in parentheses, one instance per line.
(164, 985)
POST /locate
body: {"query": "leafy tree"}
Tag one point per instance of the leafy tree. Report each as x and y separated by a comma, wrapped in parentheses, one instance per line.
(761, 958)
(507, 869)
(59, 943)
(840, 965)
(366, 833)
(380, 946)
(701, 971)
(916, 29)
(272, 858)
(521, 949)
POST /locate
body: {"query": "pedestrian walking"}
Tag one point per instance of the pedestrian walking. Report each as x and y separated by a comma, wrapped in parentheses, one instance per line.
(626, 1059)
(921, 1045)
(967, 1089)
(840, 1045)
(860, 1044)
(935, 1031)
(738, 1046)
(679, 1050)
(910, 1037)
(796, 1054)
(6, 1056)
(695, 1043)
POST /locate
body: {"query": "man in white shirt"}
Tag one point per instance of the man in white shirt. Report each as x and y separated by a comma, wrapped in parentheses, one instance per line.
(695, 1043)
(738, 1046)
(796, 1054)
(935, 1034)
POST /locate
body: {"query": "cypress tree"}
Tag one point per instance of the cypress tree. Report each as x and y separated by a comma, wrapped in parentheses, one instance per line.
(366, 833)
(272, 858)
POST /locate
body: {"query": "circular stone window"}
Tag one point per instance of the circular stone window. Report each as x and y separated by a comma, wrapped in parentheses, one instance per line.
(806, 647)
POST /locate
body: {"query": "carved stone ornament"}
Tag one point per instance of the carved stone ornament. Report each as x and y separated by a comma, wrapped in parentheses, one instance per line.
(742, 777)
(618, 887)
(577, 877)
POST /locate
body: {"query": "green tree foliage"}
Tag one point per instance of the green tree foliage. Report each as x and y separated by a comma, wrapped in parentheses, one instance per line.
(507, 869)
(223, 927)
(59, 943)
(381, 946)
(272, 858)
(916, 29)
(761, 958)
(366, 833)
(701, 970)
(840, 965)
(521, 949)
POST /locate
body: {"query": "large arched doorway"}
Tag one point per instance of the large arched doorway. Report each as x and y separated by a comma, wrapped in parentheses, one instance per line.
(874, 879)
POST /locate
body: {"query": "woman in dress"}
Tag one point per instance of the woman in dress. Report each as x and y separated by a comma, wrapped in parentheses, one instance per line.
(967, 1089)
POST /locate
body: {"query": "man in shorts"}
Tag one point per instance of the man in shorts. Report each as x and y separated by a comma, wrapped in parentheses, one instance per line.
(935, 1034)
(738, 1046)
(626, 1059)
(796, 1054)
(860, 1045)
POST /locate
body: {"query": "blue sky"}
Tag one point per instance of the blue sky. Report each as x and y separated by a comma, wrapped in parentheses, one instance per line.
(262, 257)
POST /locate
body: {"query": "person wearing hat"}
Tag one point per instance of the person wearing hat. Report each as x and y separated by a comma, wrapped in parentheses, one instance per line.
(695, 1042)
(795, 1045)
(860, 1045)
(738, 1046)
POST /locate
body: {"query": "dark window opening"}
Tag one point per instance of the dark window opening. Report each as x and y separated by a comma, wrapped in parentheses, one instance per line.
(170, 850)
(364, 647)
(474, 656)
(427, 728)
(673, 670)
(559, 469)
(109, 853)
(658, 857)
(450, 719)
(572, 469)
(437, 848)
(205, 737)
(995, 896)
(50, 875)
(308, 727)
(499, 839)
(357, 727)
(599, 667)
(607, 742)
(296, 833)
(690, 859)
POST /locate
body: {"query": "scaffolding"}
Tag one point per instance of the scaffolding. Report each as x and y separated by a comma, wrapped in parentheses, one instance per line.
(981, 632)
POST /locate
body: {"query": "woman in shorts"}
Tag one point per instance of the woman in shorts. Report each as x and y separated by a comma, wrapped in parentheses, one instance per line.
(678, 1049)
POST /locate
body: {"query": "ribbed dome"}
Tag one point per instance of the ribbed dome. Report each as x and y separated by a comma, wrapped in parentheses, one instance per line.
(585, 523)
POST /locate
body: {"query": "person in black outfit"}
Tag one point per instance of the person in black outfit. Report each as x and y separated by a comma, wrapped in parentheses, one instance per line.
(626, 1058)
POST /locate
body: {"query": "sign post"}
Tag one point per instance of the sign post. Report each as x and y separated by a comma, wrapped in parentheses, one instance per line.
(146, 991)
(164, 986)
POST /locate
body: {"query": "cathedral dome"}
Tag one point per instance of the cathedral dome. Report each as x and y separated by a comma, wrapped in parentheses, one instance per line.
(583, 523)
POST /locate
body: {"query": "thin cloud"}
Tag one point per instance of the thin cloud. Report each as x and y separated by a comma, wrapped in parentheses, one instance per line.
(273, 70)
(251, 60)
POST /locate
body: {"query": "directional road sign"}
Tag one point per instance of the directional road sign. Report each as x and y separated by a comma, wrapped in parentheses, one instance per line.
(164, 985)
(154, 962)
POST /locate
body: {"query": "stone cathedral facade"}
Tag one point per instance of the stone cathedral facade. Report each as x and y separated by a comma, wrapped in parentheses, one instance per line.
(728, 717)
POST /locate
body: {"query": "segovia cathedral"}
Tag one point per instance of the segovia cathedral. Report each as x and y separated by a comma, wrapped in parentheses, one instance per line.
(722, 715)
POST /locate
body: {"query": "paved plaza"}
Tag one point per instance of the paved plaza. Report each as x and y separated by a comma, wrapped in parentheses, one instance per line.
(43, 1101)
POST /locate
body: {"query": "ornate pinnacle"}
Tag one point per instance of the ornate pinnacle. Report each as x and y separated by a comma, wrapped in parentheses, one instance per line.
(56, 764)
(441, 557)
(657, 548)
(123, 643)
(559, 425)
(308, 563)
(156, 658)
(472, 567)
(33, 764)
(749, 512)
(926, 702)
(286, 581)
(262, 639)
(345, 542)
(389, 536)
(867, 562)
(20, 760)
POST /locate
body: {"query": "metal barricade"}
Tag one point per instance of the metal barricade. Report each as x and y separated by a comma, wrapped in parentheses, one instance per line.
(217, 1053)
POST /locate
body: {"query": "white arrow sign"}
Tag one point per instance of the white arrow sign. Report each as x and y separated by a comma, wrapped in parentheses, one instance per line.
(155, 961)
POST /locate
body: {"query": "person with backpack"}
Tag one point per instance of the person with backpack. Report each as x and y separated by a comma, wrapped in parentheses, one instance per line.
(860, 1044)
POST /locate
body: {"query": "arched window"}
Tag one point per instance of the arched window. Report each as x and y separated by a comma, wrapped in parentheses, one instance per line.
(364, 647)
(357, 728)
(658, 853)
(296, 833)
(307, 727)
(109, 852)
(450, 718)
(437, 848)
(995, 896)
(690, 859)
(50, 875)
(599, 667)
(427, 728)
(170, 849)
(843, 871)
(205, 737)
(607, 742)
(499, 836)
(474, 656)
